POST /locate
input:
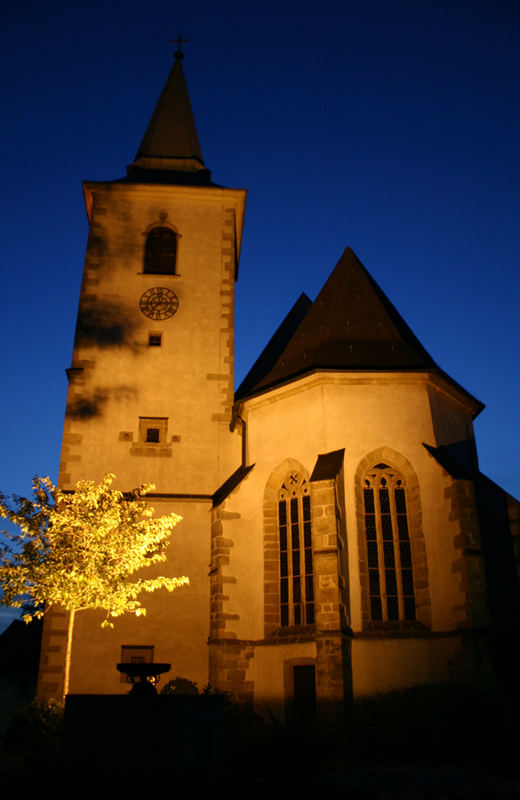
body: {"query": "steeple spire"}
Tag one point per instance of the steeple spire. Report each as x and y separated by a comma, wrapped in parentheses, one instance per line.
(170, 144)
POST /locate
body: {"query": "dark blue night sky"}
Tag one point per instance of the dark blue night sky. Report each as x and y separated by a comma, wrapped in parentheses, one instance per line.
(386, 125)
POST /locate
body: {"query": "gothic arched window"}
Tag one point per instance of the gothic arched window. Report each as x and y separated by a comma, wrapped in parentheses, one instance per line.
(389, 556)
(160, 253)
(294, 528)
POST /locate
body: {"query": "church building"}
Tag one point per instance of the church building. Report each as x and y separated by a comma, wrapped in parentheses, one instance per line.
(339, 537)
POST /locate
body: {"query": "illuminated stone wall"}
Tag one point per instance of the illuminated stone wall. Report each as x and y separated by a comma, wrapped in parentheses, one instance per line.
(117, 381)
(374, 418)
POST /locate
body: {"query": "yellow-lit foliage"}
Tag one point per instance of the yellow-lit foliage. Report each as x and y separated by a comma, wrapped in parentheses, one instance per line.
(79, 549)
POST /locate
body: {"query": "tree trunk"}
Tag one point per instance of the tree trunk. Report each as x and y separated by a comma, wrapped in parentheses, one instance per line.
(68, 652)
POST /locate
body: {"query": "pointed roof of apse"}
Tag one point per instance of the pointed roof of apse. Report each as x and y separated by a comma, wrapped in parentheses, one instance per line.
(351, 325)
(275, 346)
(171, 142)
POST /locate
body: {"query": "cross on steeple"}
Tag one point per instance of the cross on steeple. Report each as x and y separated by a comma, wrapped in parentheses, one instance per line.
(179, 41)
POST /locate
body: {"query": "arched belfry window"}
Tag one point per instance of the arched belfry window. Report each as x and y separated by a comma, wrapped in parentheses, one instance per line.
(389, 556)
(160, 253)
(295, 538)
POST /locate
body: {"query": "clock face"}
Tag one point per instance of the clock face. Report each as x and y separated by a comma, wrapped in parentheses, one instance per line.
(159, 303)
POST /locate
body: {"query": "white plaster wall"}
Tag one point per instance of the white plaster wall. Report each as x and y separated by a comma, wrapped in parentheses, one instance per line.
(176, 624)
(385, 664)
(267, 671)
(324, 413)
(135, 380)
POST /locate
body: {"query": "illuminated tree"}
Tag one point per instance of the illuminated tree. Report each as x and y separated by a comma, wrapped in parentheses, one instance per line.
(77, 549)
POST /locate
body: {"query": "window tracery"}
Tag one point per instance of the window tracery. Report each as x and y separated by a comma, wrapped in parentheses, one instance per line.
(295, 541)
(388, 548)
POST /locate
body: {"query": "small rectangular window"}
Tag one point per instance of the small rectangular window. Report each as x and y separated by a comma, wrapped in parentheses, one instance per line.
(155, 340)
(153, 430)
(140, 652)
(152, 434)
(136, 654)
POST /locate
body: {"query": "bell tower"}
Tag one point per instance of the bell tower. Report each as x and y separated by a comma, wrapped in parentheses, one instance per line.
(151, 380)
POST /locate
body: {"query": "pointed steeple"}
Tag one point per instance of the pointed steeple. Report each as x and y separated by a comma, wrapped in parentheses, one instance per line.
(171, 144)
(351, 325)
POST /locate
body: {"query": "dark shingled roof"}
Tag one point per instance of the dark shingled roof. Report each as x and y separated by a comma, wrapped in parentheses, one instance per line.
(271, 352)
(449, 462)
(171, 132)
(231, 483)
(351, 325)
(328, 466)
(171, 141)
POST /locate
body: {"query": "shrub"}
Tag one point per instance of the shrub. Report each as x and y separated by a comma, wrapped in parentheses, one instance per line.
(35, 726)
(433, 722)
(180, 685)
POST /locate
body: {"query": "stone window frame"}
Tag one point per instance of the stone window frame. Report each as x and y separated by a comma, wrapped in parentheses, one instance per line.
(136, 653)
(153, 423)
(295, 551)
(423, 610)
(146, 447)
(272, 607)
(162, 224)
